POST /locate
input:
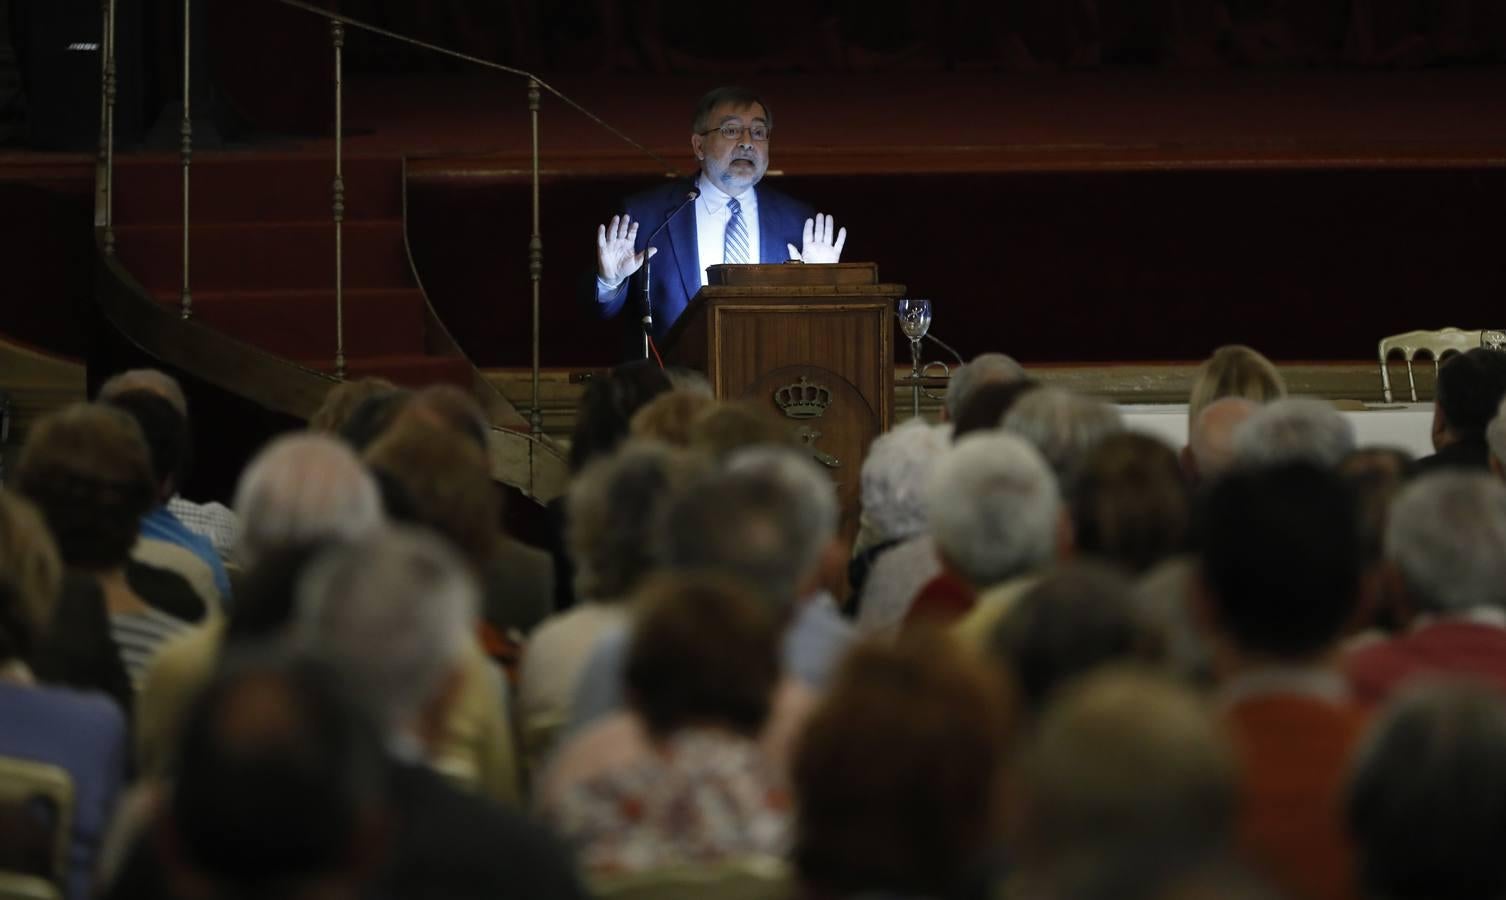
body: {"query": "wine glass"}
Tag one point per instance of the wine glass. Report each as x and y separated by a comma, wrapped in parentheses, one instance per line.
(914, 317)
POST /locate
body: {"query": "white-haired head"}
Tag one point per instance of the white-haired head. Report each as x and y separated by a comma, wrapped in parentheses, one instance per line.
(301, 488)
(1447, 536)
(985, 368)
(895, 476)
(154, 380)
(393, 615)
(1294, 429)
(994, 508)
(1064, 427)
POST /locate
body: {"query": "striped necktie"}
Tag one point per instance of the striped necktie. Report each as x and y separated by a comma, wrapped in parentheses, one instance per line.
(735, 247)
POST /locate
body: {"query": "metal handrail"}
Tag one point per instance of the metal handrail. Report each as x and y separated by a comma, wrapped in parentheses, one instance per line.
(104, 208)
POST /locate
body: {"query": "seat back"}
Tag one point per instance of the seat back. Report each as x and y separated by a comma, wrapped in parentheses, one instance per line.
(27, 887)
(1435, 345)
(36, 819)
(755, 878)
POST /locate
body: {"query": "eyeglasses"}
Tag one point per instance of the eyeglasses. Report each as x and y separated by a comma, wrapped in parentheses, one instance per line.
(732, 132)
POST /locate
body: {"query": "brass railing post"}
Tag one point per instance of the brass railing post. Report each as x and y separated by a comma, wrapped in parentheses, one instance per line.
(535, 256)
(186, 131)
(337, 36)
(105, 176)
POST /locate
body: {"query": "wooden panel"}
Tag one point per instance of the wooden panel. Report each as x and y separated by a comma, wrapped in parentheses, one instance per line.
(792, 273)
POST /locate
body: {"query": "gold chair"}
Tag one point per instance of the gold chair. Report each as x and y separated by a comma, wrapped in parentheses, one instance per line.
(756, 878)
(1437, 345)
(23, 782)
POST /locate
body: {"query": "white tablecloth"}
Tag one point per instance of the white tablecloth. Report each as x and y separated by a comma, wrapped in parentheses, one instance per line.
(1407, 426)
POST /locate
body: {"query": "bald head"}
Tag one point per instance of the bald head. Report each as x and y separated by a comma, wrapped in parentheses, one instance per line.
(1211, 437)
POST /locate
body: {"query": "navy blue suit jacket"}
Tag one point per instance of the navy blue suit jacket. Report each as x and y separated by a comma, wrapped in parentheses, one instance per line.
(676, 268)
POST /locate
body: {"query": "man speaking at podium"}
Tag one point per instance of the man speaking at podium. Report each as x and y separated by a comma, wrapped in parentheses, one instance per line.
(721, 218)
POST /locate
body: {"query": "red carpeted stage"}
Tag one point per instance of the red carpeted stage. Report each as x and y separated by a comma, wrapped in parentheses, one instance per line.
(1116, 215)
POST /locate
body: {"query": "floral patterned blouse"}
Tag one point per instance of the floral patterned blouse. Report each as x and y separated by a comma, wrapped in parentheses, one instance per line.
(705, 795)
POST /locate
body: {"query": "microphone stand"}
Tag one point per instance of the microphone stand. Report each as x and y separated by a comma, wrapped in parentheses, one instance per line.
(646, 295)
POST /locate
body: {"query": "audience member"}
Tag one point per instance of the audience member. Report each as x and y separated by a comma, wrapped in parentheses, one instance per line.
(1064, 427)
(1210, 441)
(394, 616)
(1471, 386)
(1131, 506)
(1296, 429)
(165, 542)
(1495, 438)
(615, 503)
(447, 477)
(988, 404)
(342, 400)
(88, 470)
(692, 380)
(1281, 580)
(681, 778)
(1427, 802)
(83, 733)
(1446, 545)
(898, 776)
(211, 520)
(1125, 766)
(299, 491)
(1376, 475)
(1076, 619)
(282, 791)
(998, 522)
(893, 490)
(724, 429)
(983, 369)
(372, 416)
(768, 517)
(668, 417)
(1234, 370)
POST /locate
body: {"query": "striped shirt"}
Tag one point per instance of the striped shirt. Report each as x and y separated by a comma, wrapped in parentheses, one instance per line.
(139, 635)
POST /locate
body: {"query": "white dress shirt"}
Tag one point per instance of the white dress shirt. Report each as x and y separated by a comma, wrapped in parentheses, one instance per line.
(711, 217)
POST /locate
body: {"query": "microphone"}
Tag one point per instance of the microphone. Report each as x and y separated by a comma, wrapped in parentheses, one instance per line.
(647, 300)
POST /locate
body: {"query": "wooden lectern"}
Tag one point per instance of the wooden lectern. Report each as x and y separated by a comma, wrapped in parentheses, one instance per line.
(814, 343)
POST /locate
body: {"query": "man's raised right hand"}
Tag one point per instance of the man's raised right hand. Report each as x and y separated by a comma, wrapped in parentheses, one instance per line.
(616, 260)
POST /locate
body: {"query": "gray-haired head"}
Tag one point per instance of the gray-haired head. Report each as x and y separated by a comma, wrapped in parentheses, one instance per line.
(1447, 536)
(896, 474)
(985, 368)
(1211, 434)
(1495, 435)
(611, 502)
(994, 508)
(766, 518)
(154, 380)
(1064, 427)
(301, 488)
(393, 615)
(1294, 429)
(1427, 800)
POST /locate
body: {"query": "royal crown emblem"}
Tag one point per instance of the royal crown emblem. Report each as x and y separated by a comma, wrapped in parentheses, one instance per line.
(803, 400)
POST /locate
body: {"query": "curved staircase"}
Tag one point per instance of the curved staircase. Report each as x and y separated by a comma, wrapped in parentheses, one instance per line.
(263, 318)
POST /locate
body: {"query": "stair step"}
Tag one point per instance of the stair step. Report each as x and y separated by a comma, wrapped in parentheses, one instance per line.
(268, 256)
(300, 324)
(408, 370)
(236, 188)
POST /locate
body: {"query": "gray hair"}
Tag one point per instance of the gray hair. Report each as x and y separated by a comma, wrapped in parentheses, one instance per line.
(393, 615)
(1425, 800)
(1064, 427)
(611, 503)
(895, 475)
(1495, 434)
(985, 368)
(154, 380)
(994, 508)
(1447, 535)
(1211, 435)
(766, 518)
(304, 487)
(1294, 429)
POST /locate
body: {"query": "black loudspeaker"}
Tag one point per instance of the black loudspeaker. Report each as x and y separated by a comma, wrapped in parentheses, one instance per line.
(59, 49)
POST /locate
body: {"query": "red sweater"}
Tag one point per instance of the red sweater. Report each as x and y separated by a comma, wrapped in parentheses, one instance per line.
(1449, 647)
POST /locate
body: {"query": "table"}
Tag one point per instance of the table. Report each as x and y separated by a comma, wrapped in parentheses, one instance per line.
(1404, 425)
